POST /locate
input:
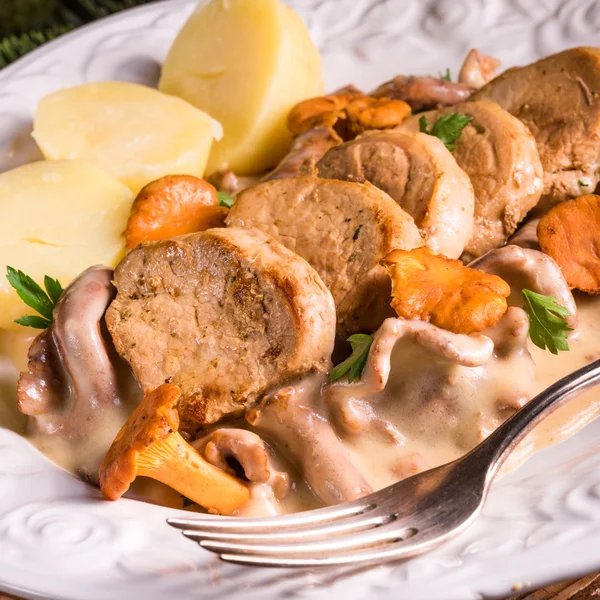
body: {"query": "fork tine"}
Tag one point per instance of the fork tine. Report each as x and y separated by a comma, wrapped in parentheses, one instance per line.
(343, 543)
(215, 523)
(295, 535)
(393, 551)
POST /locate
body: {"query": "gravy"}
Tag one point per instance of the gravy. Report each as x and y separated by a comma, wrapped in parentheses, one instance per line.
(437, 429)
(415, 426)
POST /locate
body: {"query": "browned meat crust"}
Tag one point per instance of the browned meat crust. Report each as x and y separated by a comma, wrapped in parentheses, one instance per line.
(558, 99)
(343, 229)
(225, 314)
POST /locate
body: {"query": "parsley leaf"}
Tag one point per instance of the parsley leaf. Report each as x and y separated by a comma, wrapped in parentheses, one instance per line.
(53, 288)
(446, 76)
(353, 366)
(447, 128)
(34, 321)
(225, 199)
(547, 322)
(35, 297)
(582, 183)
(30, 292)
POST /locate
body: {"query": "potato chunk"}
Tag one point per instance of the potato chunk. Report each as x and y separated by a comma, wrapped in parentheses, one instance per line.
(246, 63)
(58, 218)
(133, 132)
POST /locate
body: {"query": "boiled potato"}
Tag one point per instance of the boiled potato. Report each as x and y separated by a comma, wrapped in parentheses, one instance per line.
(58, 218)
(133, 132)
(246, 63)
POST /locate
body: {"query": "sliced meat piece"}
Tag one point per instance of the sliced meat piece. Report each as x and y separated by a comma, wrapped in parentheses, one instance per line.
(424, 93)
(342, 229)
(307, 149)
(500, 156)
(420, 174)
(478, 69)
(524, 268)
(290, 418)
(558, 99)
(225, 314)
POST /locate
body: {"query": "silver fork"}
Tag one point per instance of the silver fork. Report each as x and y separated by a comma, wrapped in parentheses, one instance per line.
(403, 520)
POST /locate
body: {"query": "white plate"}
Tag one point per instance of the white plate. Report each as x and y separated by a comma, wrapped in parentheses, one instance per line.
(59, 540)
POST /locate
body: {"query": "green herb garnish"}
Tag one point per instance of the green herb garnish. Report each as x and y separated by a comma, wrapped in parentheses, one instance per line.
(446, 76)
(547, 322)
(353, 366)
(225, 199)
(582, 183)
(35, 297)
(447, 128)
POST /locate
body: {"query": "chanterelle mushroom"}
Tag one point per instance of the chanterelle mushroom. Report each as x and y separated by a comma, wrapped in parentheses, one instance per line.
(149, 445)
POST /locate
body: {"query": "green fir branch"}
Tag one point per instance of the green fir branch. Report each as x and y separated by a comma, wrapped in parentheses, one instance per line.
(27, 24)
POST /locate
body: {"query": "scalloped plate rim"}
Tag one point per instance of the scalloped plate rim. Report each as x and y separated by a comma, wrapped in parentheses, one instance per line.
(500, 552)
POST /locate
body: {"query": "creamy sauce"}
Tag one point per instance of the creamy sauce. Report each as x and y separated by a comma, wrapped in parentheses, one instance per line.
(431, 410)
(438, 423)
(570, 418)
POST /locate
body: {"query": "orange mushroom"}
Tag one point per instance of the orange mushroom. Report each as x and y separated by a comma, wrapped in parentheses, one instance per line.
(173, 205)
(149, 445)
(570, 234)
(349, 114)
(433, 288)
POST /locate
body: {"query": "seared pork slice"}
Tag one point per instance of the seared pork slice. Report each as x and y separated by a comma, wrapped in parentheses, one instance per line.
(342, 229)
(500, 156)
(558, 99)
(420, 174)
(423, 93)
(225, 314)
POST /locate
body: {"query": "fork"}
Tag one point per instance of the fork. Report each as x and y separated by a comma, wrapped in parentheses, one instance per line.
(400, 521)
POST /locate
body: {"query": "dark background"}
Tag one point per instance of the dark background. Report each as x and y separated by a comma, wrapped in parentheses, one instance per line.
(26, 24)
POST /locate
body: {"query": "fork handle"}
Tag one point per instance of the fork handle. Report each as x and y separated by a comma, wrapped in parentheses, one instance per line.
(496, 448)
